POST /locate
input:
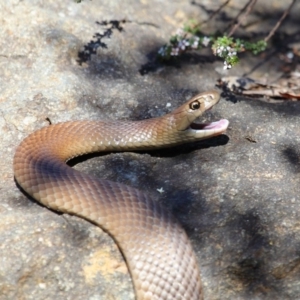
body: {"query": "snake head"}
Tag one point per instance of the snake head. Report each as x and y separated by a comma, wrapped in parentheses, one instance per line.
(185, 115)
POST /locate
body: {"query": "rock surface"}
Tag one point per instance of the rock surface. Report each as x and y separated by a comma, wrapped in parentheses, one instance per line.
(237, 195)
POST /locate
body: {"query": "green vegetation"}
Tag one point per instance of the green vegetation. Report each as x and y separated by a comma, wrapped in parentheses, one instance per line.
(189, 38)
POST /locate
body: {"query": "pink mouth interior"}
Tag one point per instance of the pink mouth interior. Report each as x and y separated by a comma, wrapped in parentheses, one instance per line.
(218, 125)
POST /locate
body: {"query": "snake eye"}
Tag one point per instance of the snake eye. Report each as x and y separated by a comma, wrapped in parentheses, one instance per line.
(195, 105)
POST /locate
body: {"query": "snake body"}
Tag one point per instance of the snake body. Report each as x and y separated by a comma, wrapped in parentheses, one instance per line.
(158, 253)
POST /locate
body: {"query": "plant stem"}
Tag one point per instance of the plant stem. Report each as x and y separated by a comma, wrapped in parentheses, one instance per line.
(287, 11)
(247, 8)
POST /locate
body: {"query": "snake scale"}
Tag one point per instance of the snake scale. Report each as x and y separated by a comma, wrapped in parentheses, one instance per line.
(158, 253)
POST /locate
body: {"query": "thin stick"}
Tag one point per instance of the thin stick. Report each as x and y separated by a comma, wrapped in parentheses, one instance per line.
(236, 18)
(216, 12)
(280, 21)
(248, 7)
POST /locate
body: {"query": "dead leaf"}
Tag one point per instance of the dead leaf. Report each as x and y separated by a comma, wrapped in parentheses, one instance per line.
(287, 88)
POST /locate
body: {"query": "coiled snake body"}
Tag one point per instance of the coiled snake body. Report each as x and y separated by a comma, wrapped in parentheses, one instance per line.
(157, 251)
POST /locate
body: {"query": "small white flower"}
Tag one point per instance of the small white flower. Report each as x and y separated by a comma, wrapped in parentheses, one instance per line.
(182, 44)
(195, 45)
(221, 51)
(205, 41)
(174, 51)
(227, 66)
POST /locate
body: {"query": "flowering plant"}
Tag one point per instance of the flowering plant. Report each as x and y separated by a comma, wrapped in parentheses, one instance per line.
(224, 47)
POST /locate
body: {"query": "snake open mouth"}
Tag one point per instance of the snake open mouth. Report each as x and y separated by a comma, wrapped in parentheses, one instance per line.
(218, 127)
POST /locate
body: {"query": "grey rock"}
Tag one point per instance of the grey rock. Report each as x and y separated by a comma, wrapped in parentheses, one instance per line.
(237, 195)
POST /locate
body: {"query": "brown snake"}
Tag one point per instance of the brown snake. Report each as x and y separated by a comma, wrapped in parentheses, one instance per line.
(158, 253)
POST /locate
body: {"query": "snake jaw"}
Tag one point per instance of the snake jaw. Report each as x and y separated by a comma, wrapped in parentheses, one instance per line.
(209, 129)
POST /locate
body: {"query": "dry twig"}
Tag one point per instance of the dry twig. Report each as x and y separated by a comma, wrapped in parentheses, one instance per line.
(287, 11)
(241, 16)
(216, 12)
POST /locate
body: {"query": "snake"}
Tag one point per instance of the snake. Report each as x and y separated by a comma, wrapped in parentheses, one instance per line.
(157, 251)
